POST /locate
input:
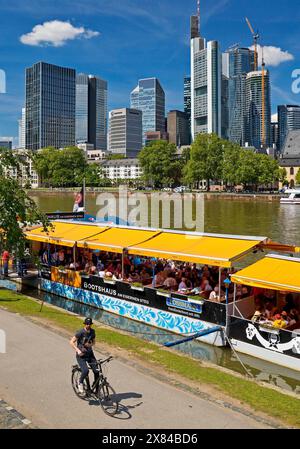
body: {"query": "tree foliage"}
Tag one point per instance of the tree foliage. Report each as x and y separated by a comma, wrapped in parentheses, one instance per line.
(160, 164)
(61, 168)
(298, 177)
(94, 176)
(205, 161)
(17, 209)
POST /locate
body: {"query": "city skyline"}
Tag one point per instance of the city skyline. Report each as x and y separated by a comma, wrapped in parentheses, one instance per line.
(117, 35)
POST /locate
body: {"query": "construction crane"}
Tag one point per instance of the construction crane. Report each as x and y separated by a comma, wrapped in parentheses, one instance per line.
(255, 41)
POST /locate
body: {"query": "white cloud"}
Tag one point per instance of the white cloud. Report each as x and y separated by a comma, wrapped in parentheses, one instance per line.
(55, 33)
(273, 56)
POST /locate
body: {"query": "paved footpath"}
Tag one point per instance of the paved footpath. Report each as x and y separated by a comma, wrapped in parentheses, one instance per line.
(35, 380)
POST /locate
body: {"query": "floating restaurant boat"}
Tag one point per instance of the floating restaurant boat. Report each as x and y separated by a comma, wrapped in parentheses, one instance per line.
(183, 313)
(292, 196)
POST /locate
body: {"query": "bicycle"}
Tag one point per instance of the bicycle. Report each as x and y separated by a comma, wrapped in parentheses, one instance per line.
(101, 390)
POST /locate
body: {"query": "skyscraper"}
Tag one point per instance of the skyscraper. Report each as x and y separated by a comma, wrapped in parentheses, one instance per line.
(240, 62)
(288, 120)
(50, 106)
(22, 125)
(149, 97)
(187, 99)
(91, 111)
(254, 106)
(206, 83)
(178, 128)
(125, 132)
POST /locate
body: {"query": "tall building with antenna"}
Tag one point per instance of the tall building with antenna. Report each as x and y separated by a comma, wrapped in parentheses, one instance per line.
(206, 82)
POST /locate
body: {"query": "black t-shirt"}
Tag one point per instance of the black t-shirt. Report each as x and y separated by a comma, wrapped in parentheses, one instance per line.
(85, 337)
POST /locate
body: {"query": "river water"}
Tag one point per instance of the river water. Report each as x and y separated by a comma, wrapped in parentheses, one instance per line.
(249, 216)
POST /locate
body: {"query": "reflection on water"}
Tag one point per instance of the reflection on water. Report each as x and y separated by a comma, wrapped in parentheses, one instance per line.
(245, 217)
(267, 372)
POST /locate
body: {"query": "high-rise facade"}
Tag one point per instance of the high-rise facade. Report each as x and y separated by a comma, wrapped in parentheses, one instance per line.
(178, 128)
(288, 120)
(91, 111)
(6, 142)
(187, 98)
(125, 132)
(50, 106)
(22, 125)
(240, 62)
(206, 83)
(149, 97)
(258, 134)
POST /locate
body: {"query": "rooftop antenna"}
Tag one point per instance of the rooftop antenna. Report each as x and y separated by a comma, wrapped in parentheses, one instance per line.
(198, 14)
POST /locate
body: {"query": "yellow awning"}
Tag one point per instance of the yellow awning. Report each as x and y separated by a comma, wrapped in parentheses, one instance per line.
(272, 272)
(65, 234)
(115, 239)
(217, 251)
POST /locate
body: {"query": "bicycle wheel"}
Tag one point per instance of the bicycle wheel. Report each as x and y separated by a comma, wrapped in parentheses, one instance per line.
(76, 373)
(108, 399)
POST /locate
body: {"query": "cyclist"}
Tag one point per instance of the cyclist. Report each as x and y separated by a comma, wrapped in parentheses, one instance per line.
(83, 342)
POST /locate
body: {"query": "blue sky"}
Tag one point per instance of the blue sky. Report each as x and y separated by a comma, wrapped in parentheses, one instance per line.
(124, 40)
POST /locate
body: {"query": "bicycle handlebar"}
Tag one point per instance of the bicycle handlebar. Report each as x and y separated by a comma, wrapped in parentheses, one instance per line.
(105, 360)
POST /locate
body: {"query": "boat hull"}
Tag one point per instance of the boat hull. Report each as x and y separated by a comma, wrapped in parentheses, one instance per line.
(289, 201)
(134, 309)
(278, 346)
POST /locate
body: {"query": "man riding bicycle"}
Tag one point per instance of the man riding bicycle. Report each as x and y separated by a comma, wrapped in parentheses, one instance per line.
(83, 342)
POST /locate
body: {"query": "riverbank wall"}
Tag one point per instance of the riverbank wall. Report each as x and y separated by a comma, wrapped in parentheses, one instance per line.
(207, 195)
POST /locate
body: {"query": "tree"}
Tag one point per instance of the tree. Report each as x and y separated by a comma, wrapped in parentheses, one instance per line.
(94, 176)
(160, 164)
(283, 176)
(247, 171)
(298, 177)
(206, 158)
(230, 163)
(61, 168)
(268, 168)
(17, 209)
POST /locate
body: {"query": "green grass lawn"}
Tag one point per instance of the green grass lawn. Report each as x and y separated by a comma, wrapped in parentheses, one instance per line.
(273, 403)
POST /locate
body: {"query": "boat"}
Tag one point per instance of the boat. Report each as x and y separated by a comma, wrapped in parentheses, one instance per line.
(292, 196)
(185, 313)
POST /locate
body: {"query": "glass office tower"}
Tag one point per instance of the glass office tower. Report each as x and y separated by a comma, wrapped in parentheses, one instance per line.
(254, 105)
(206, 83)
(240, 62)
(91, 111)
(149, 97)
(288, 120)
(50, 106)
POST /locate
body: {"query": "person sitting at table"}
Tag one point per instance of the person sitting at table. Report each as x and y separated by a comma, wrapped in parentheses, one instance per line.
(279, 322)
(170, 282)
(159, 278)
(214, 295)
(183, 285)
(133, 276)
(206, 288)
(92, 269)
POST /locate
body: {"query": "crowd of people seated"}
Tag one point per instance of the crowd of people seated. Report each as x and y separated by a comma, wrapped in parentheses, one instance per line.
(180, 277)
(279, 314)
